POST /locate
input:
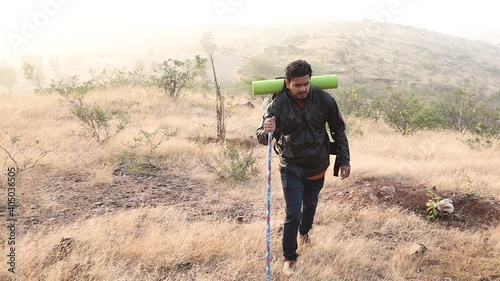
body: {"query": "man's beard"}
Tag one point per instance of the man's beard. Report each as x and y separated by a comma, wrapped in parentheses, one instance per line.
(303, 98)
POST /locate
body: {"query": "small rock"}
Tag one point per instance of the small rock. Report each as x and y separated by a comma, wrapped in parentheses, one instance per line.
(417, 249)
(446, 206)
(388, 190)
(374, 198)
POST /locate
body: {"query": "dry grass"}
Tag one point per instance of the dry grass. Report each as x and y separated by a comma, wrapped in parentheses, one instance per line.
(151, 244)
(160, 244)
(438, 159)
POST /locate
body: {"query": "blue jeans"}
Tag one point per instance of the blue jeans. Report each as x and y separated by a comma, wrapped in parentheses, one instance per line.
(301, 197)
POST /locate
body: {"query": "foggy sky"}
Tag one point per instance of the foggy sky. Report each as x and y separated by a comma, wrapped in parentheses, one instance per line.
(59, 27)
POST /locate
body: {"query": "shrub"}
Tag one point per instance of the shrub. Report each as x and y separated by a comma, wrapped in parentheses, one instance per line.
(405, 112)
(232, 163)
(174, 75)
(432, 204)
(23, 155)
(143, 151)
(95, 121)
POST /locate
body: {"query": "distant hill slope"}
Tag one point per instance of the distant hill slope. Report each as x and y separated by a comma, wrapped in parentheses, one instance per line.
(378, 54)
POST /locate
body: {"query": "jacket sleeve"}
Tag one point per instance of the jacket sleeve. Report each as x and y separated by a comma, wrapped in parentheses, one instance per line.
(337, 129)
(262, 137)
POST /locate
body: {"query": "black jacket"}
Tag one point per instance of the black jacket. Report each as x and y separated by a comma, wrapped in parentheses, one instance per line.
(302, 139)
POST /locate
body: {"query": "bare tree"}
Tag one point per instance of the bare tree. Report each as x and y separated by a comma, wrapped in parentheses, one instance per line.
(208, 43)
(219, 106)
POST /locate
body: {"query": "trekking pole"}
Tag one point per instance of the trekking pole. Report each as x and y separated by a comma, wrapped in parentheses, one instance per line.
(268, 209)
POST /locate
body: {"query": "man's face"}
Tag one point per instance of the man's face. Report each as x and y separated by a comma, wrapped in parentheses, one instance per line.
(299, 87)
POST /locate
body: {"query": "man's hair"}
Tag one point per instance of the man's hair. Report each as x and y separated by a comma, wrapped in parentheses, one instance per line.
(297, 68)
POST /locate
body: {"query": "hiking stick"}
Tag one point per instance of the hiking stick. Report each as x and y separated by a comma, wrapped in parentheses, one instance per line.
(268, 209)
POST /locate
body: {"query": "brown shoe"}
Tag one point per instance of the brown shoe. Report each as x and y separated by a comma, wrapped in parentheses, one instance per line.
(289, 267)
(304, 239)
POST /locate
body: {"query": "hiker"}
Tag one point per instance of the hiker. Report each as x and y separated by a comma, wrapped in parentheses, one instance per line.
(297, 117)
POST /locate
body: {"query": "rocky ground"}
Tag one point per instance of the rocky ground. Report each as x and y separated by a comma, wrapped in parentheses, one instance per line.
(472, 211)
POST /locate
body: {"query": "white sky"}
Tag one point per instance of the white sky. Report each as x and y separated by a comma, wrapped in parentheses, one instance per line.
(33, 26)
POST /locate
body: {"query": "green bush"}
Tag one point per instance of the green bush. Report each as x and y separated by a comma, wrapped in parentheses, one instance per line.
(432, 204)
(486, 129)
(95, 121)
(142, 152)
(240, 165)
(458, 107)
(232, 163)
(353, 101)
(114, 78)
(174, 75)
(405, 112)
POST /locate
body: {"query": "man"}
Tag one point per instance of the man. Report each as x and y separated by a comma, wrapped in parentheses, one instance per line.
(298, 118)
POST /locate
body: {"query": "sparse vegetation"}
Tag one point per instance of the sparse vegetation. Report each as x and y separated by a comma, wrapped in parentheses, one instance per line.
(96, 122)
(470, 189)
(31, 73)
(405, 112)
(126, 214)
(22, 154)
(259, 68)
(144, 149)
(187, 221)
(232, 163)
(112, 78)
(354, 101)
(432, 204)
(174, 75)
(458, 107)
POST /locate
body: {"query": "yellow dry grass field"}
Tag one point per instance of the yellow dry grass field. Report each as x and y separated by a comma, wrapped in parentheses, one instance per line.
(83, 215)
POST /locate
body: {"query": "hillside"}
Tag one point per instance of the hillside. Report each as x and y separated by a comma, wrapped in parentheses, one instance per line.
(117, 211)
(375, 54)
(371, 54)
(161, 199)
